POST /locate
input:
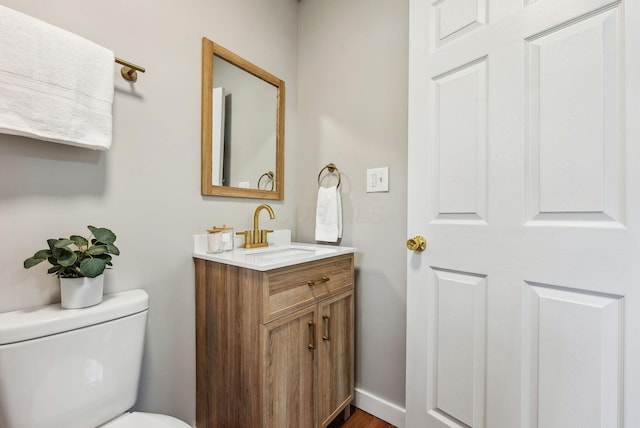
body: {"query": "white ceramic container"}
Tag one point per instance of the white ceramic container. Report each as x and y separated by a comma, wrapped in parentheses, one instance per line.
(83, 292)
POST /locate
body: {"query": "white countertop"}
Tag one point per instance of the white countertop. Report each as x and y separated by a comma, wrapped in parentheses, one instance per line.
(272, 257)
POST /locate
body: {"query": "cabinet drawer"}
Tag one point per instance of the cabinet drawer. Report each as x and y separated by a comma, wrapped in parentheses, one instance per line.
(294, 287)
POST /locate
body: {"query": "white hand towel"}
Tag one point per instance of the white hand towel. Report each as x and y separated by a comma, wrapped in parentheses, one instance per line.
(54, 85)
(329, 215)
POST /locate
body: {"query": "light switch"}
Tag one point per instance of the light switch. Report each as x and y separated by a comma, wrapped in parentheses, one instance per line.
(378, 179)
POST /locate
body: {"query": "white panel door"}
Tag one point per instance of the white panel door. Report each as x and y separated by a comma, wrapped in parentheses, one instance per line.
(524, 177)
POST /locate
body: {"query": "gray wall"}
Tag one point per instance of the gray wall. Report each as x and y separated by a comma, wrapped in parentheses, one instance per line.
(147, 187)
(352, 110)
(352, 84)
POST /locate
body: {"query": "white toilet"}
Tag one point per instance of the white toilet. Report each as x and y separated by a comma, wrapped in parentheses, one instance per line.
(75, 368)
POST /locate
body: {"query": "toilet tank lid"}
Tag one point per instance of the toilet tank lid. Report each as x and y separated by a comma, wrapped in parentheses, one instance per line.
(40, 321)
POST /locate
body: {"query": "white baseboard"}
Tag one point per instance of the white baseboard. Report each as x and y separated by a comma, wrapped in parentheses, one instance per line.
(379, 408)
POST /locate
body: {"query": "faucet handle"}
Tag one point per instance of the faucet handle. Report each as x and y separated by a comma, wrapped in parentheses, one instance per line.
(263, 235)
(247, 237)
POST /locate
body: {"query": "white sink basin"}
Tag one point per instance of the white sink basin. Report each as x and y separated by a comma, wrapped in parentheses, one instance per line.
(272, 257)
(279, 249)
(267, 255)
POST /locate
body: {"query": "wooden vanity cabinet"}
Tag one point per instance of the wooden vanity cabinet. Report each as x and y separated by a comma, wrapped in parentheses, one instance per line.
(288, 392)
(273, 349)
(335, 357)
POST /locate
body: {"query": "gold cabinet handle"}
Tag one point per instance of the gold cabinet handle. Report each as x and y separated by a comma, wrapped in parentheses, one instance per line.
(312, 334)
(326, 320)
(317, 281)
(417, 243)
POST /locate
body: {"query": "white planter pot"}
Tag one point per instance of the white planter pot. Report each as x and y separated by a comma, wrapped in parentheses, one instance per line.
(81, 292)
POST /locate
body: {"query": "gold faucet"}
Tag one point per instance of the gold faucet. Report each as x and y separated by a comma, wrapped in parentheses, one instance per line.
(257, 238)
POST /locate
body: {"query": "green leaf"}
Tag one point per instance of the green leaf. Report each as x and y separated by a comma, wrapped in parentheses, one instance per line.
(106, 258)
(113, 249)
(79, 240)
(52, 243)
(103, 235)
(37, 258)
(32, 261)
(42, 254)
(63, 243)
(56, 252)
(67, 258)
(92, 267)
(97, 250)
(54, 269)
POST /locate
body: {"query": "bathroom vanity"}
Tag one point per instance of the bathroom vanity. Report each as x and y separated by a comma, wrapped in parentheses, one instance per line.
(274, 336)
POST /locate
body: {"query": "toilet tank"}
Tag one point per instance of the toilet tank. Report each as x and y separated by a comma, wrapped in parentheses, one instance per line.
(71, 368)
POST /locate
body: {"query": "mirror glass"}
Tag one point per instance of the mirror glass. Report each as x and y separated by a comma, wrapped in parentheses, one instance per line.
(242, 127)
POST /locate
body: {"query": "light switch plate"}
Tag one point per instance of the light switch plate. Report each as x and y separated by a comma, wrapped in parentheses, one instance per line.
(378, 179)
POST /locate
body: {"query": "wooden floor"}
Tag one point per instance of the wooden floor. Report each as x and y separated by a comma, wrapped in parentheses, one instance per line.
(359, 419)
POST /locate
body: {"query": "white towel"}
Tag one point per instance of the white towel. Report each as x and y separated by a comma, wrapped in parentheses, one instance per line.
(54, 85)
(329, 215)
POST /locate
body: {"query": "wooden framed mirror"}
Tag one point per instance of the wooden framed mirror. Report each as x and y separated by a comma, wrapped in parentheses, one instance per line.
(242, 127)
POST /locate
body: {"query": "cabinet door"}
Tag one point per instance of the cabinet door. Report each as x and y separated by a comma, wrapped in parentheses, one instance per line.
(289, 374)
(335, 356)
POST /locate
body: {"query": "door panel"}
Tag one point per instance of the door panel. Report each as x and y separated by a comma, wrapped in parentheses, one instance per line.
(524, 162)
(574, 337)
(288, 372)
(335, 356)
(454, 18)
(575, 152)
(459, 308)
(460, 143)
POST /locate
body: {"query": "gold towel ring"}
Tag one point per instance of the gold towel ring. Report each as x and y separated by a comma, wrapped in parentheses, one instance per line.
(332, 168)
(270, 175)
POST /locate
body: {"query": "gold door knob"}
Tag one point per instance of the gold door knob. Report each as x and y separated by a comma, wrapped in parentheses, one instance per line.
(417, 243)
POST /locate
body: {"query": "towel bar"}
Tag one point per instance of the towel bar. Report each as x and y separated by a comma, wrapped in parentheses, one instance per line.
(129, 71)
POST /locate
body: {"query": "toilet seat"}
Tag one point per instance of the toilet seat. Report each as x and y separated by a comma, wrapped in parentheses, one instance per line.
(145, 420)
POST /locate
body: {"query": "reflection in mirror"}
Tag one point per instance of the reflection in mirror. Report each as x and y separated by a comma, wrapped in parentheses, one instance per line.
(242, 127)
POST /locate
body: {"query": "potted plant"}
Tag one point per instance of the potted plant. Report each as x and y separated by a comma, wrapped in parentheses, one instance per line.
(79, 263)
